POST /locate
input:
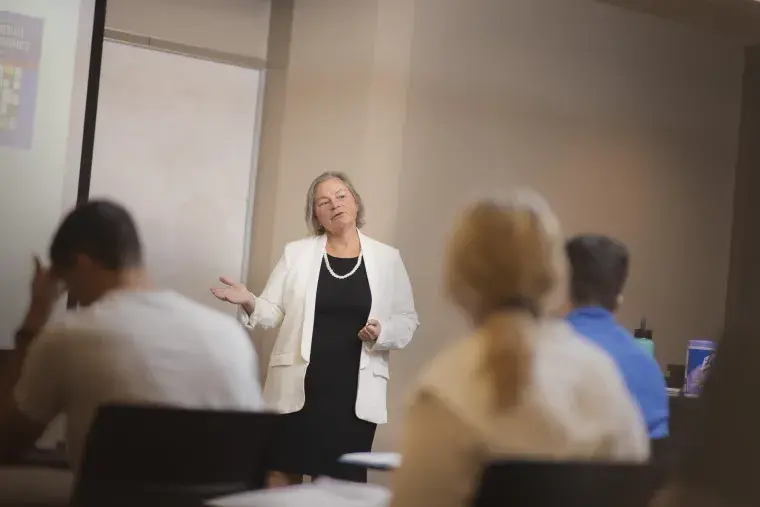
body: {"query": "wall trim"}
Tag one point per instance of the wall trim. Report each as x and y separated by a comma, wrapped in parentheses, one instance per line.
(145, 41)
(255, 155)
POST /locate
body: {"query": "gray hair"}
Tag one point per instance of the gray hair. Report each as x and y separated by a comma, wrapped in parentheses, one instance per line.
(315, 228)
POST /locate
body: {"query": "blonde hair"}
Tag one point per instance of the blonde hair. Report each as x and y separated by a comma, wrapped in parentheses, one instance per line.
(315, 228)
(504, 265)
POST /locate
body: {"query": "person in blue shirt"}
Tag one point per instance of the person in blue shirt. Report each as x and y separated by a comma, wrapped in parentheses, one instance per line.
(599, 268)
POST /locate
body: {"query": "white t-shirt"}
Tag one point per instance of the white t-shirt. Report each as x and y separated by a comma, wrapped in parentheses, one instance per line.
(137, 347)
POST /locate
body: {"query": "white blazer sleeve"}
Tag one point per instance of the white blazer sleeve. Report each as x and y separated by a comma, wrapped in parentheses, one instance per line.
(397, 331)
(267, 309)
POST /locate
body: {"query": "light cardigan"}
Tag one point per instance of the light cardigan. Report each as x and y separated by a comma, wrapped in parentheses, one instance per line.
(575, 407)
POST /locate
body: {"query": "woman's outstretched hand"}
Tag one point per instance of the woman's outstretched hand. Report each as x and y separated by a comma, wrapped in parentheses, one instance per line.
(235, 293)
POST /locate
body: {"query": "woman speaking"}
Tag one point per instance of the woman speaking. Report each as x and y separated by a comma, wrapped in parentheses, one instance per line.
(342, 301)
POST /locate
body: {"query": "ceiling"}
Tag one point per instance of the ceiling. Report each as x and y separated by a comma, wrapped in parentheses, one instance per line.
(738, 19)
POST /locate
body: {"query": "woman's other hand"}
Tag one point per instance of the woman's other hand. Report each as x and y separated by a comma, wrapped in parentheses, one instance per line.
(235, 293)
(371, 331)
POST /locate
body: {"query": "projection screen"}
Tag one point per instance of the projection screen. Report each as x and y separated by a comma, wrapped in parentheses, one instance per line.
(45, 49)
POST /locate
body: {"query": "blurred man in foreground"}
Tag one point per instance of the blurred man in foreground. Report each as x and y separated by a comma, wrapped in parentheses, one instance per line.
(130, 343)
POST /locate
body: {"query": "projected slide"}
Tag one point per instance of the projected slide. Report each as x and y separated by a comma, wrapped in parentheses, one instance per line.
(20, 52)
(44, 71)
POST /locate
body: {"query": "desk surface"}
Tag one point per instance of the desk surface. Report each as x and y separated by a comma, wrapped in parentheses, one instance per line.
(20, 485)
(45, 458)
(324, 492)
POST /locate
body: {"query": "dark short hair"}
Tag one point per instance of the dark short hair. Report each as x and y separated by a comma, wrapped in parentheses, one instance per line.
(103, 231)
(599, 267)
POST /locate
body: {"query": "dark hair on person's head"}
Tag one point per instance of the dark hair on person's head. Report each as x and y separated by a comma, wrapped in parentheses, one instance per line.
(103, 231)
(599, 266)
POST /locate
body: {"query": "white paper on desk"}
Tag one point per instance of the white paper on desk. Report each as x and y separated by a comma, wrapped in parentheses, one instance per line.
(322, 493)
(373, 459)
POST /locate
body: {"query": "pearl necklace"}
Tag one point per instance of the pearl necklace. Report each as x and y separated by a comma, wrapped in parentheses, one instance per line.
(334, 274)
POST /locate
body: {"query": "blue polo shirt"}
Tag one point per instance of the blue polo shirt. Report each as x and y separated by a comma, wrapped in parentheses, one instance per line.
(640, 371)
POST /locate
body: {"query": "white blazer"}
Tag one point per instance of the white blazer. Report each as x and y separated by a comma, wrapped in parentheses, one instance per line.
(288, 301)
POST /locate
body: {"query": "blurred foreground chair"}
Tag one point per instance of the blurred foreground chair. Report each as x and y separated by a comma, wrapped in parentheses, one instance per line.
(568, 484)
(154, 455)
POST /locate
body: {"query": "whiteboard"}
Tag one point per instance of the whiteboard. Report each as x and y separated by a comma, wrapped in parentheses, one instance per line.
(174, 142)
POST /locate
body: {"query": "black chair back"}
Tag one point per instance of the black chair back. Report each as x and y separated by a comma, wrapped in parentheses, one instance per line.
(663, 453)
(568, 484)
(173, 455)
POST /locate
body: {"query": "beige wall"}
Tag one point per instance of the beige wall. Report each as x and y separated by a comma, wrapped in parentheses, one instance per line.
(626, 123)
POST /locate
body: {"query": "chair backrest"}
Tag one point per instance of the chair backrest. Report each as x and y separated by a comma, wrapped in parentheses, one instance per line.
(568, 484)
(173, 453)
(663, 453)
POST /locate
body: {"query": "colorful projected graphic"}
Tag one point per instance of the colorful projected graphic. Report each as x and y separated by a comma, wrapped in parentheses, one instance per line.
(20, 51)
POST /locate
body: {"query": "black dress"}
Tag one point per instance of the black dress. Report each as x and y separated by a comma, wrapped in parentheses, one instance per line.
(311, 440)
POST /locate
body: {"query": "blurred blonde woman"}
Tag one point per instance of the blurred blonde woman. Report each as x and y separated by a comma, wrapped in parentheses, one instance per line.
(523, 384)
